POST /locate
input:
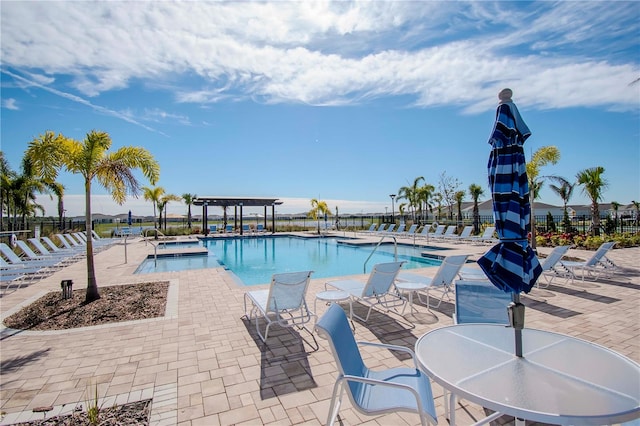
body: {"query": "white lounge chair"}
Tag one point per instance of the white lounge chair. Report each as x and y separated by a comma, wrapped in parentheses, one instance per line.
(550, 267)
(373, 392)
(283, 303)
(442, 281)
(376, 291)
(485, 237)
(439, 231)
(400, 230)
(449, 232)
(594, 267)
(14, 259)
(463, 235)
(70, 257)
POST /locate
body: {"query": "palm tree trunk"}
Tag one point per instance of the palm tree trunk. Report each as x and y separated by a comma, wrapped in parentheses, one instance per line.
(92, 285)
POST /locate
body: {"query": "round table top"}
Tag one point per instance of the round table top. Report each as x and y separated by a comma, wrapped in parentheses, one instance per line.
(560, 379)
(332, 295)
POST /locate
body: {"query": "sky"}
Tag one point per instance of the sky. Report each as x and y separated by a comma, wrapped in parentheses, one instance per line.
(344, 102)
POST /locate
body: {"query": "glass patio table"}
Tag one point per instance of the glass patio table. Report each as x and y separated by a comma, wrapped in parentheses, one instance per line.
(560, 379)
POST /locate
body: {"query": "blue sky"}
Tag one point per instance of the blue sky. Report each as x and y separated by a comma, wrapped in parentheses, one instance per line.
(345, 102)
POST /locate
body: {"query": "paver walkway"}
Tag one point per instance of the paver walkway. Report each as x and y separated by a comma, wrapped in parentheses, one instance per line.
(203, 364)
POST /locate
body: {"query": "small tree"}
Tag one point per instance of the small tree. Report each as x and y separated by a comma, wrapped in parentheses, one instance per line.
(593, 184)
(188, 200)
(459, 198)
(318, 209)
(91, 159)
(476, 191)
(615, 206)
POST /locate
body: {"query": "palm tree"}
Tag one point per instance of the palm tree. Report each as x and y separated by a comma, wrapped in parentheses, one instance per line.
(318, 208)
(425, 192)
(6, 177)
(188, 200)
(543, 156)
(91, 159)
(459, 196)
(154, 195)
(162, 206)
(564, 190)
(593, 184)
(615, 206)
(412, 195)
(476, 191)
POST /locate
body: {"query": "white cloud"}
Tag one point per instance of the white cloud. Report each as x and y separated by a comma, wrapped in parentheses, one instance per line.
(10, 103)
(328, 53)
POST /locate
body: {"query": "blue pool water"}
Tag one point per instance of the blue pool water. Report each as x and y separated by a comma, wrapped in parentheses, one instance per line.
(254, 260)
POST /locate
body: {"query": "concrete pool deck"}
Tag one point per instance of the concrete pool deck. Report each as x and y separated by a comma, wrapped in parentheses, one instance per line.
(203, 364)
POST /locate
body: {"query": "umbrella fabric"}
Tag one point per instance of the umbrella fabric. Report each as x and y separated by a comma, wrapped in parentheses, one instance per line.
(511, 265)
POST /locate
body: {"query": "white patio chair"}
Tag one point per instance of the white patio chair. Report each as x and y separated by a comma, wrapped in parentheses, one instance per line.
(442, 281)
(373, 392)
(377, 291)
(594, 267)
(283, 303)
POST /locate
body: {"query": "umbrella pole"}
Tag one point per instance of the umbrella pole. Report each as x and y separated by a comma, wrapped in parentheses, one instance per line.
(516, 319)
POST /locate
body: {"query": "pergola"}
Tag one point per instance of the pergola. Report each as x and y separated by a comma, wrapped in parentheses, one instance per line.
(236, 202)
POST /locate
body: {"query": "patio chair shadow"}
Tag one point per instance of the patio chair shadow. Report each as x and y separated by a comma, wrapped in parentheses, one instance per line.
(284, 363)
(387, 329)
(548, 308)
(583, 294)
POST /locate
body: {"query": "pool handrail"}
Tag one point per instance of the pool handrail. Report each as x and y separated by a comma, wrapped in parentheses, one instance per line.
(395, 251)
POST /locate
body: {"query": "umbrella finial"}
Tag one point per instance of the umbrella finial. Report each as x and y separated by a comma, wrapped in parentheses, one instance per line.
(505, 95)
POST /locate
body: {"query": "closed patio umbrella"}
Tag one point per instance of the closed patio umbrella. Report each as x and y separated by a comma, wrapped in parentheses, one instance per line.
(511, 265)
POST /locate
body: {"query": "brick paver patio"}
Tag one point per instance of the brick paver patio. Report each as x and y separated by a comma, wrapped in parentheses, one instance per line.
(203, 364)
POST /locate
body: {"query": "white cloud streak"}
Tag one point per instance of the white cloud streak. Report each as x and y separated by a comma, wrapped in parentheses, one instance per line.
(554, 55)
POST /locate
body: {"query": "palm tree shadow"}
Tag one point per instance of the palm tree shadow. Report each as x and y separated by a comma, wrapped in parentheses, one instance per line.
(284, 363)
(13, 364)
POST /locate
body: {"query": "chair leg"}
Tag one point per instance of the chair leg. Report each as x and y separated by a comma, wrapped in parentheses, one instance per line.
(334, 407)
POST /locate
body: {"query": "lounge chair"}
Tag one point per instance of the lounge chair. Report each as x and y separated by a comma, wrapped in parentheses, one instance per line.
(411, 232)
(45, 252)
(380, 228)
(213, 229)
(14, 259)
(260, 229)
(438, 232)
(372, 228)
(400, 230)
(594, 267)
(228, 229)
(283, 303)
(442, 281)
(485, 237)
(376, 291)
(67, 247)
(479, 301)
(450, 231)
(388, 231)
(550, 267)
(463, 235)
(373, 392)
(246, 229)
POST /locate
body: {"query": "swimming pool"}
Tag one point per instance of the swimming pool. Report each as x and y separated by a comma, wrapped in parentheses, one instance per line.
(254, 260)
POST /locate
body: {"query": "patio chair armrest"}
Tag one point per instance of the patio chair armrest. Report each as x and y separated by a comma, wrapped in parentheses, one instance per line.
(390, 347)
(369, 381)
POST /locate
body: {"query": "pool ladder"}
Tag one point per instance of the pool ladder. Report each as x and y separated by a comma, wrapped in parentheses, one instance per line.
(155, 246)
(395, 251)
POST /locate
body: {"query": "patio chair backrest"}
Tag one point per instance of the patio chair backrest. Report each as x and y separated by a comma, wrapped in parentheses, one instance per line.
(334, 326)
(553, 257)
(412, 229)
(288, 290)
(401, 228)
(466, 232)
(41, 248)
(213, 228)
(391, 228)
(64, 241)
(51, 244)
(381, 278)
(448, 270)
(9, 254)
(381, 228)
(439, 230)
(27, 250)
(488, 232)
(599, 254)
(451, 229)
(480, 302)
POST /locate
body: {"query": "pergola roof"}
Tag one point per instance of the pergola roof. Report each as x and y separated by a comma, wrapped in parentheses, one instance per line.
(236, 201)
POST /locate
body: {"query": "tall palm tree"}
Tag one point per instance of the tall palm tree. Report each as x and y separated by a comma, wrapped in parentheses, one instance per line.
(318, 209)
(154, 195)
(564, 190)
(459, 196)
(615, 206)
(6, 177)
(425, 192)
(593, 184)
(188, 200)
(476, 191)
(91, 159)
(543, 156)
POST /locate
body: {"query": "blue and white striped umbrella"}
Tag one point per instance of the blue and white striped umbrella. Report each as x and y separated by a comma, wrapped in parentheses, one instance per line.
(511, 265)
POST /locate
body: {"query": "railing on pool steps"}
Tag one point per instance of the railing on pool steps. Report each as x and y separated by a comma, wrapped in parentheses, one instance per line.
(156, 232)
(395, 251)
